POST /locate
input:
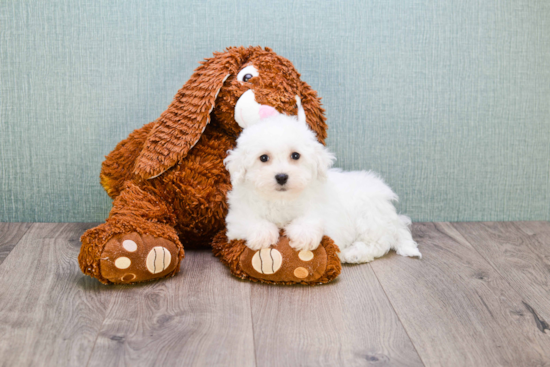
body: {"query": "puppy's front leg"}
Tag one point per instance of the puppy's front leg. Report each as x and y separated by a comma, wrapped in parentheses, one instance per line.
(261, 234)
(258, 232)
(305, 233)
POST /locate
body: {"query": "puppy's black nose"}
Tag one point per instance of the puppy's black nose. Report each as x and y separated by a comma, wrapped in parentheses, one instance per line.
(281, 178)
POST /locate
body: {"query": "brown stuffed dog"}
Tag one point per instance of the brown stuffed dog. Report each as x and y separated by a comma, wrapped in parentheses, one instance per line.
(169, 183)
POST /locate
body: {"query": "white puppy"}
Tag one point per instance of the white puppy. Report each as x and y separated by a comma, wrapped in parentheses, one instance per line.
(281, 179)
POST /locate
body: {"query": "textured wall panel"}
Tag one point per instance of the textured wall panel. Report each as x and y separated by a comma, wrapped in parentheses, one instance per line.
(448, 100)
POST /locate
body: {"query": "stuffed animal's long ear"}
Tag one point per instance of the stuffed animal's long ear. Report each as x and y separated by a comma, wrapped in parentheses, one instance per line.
(180, 127)
(314, 112)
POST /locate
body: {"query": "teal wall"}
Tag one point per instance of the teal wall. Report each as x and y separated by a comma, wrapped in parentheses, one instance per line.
(449, 100)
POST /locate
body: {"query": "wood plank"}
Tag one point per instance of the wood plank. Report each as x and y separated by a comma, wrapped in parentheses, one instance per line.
(348, 322)
(200, 317)
(520, 252)
(50, 312)
(457, 309)
(10, 234)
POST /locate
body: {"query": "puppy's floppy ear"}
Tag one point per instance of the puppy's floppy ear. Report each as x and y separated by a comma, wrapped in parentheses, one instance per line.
(314, 112)
(180, 127)
(235, 163)
(324, 159)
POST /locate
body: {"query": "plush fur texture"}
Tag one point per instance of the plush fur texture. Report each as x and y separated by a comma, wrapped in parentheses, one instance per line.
(168, 178)
(353, 208)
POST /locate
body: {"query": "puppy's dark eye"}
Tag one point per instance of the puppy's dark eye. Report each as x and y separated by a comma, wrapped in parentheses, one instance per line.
(247, 77)
(295, 156)
(264, 158)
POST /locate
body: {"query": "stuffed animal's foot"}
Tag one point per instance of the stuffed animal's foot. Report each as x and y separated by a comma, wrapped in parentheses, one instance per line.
(279, 264)
(114, 253)
(131, 258)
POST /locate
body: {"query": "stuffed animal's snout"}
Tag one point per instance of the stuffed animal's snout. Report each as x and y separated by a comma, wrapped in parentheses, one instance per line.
(266, 111)
(248, 112)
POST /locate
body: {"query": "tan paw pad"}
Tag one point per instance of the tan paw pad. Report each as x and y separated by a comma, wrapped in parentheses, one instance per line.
(128, 277)
(158, 259)
(267, 261)
(123, 262)
(129, 245)
(305, 255)
(300, 272)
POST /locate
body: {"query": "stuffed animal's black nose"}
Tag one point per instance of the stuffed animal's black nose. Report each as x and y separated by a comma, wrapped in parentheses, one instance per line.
(281, 178)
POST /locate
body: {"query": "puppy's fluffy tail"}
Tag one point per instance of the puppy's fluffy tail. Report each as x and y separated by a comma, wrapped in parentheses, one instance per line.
(405, 245)
(406, 220)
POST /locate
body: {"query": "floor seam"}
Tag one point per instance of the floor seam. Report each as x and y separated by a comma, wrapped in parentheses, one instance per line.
(397, 315)
(252, 324)
(17, 243)
(99, 331)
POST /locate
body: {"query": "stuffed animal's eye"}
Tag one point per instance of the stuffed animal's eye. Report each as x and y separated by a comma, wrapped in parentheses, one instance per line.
(264, 158)
(295, 156)
(247, 73)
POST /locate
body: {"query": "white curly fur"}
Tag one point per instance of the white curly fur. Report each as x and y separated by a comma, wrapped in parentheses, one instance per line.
(353, 208)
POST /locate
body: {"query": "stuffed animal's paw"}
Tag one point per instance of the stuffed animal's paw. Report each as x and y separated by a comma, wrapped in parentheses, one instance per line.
(131, 258)
(280, 263)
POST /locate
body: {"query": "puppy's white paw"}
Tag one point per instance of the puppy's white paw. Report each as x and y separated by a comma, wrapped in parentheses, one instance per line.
(262, 237)
(304, 237)
(360, 252)
(410, 251)
(357, 253)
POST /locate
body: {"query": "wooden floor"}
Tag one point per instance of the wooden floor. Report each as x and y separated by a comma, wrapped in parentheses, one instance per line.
(479, 297)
